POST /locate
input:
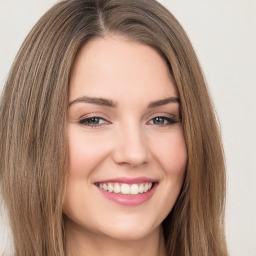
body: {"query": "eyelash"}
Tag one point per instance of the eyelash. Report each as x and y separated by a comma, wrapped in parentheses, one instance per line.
(86, 121)
(169, 120)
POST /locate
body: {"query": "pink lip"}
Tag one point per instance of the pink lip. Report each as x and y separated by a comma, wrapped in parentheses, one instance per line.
(129, 200)
(128, 180)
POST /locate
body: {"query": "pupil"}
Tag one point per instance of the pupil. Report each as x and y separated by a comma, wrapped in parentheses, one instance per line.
(94, 120)
(159, 120)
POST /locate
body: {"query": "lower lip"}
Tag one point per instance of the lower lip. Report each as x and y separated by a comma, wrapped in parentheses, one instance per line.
(130, 200)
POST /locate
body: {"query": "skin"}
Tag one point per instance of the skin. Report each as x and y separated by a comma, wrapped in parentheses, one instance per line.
(126, 142)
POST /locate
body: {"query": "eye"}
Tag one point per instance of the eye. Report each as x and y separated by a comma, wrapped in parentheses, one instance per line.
(162, 120)
(93, 121)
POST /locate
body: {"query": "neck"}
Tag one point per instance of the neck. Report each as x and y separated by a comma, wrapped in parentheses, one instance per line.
(82, 243)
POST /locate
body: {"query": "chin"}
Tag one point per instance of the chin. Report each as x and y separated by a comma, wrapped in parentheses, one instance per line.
(130, 229)
(129, 234)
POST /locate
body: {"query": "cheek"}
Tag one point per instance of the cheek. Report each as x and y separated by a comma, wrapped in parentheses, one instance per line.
(171, 156)
(171, 153)
(85, 152)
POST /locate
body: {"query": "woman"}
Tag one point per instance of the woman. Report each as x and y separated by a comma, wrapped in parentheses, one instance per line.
(109, 143)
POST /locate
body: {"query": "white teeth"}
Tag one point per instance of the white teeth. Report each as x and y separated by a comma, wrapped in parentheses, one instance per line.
(110, 187)
(134, 189)
(126, 189)
(117, 189)
(105, 186)
(146, 187)
(141, 188)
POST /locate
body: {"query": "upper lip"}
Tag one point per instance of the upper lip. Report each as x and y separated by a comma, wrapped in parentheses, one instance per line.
(128, 180)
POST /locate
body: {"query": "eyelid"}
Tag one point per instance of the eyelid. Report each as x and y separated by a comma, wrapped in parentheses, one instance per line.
(82, 120)
(171, 118)
(162, 114)
(98, 114)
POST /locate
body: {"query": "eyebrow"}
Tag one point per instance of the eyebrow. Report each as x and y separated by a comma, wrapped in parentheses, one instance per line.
(110, 103)
(96, 101)
(163, 102)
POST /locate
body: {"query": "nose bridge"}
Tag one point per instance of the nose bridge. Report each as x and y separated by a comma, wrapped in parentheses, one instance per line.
(131, 145)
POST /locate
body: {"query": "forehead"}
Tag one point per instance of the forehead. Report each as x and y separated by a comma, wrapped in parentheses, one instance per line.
(113, 67)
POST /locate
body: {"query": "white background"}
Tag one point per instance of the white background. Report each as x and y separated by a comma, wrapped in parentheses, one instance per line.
(223, 33)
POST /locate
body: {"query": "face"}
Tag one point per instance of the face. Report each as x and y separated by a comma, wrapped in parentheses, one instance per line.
(127, 151)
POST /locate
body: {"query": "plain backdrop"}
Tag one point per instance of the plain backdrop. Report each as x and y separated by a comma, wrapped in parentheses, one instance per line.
(223, 33)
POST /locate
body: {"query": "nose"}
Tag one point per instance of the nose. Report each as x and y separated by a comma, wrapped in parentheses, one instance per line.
(130, 147)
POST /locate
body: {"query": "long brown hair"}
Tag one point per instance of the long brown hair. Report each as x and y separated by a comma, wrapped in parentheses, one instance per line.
(34, 104)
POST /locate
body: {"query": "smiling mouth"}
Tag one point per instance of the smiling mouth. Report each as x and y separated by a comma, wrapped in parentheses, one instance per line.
(126, 189)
